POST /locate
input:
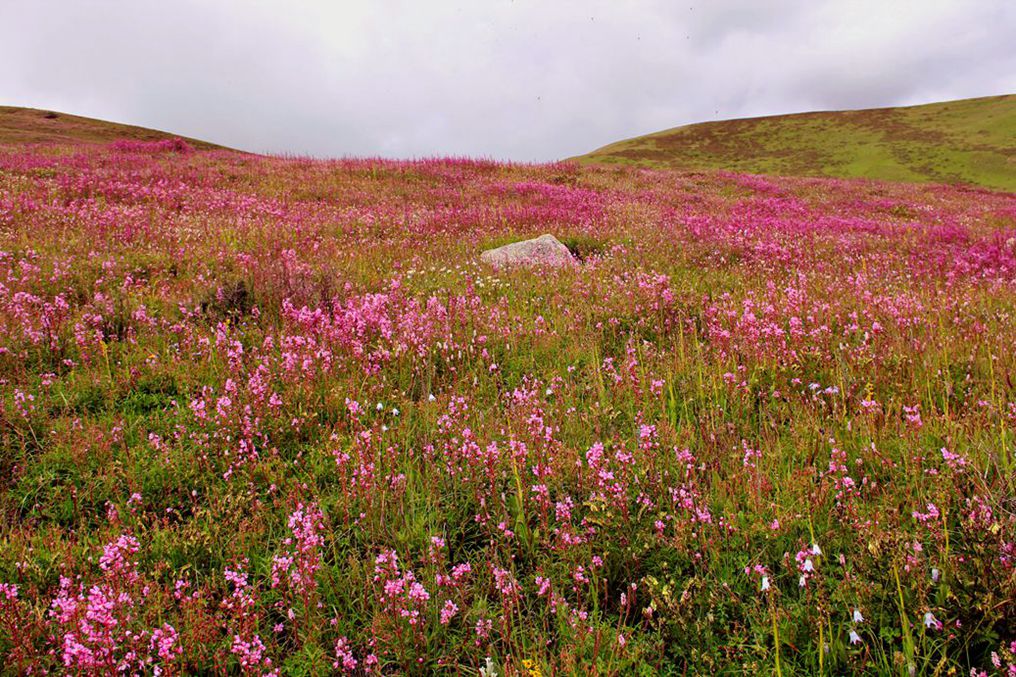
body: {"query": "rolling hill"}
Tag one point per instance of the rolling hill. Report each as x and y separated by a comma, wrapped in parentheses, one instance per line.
(30, 125)
(966, 141)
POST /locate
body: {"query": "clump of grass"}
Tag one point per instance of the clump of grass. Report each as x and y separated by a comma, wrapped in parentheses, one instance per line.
(583, 247)
(229, 299)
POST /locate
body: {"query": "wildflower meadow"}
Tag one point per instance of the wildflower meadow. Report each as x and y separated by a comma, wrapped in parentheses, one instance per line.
(272, 416)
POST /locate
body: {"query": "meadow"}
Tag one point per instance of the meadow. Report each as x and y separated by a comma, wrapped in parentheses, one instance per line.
(269, 415)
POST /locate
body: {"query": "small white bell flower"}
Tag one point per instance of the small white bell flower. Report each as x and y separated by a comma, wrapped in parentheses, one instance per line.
(858, 618)
(765, 583)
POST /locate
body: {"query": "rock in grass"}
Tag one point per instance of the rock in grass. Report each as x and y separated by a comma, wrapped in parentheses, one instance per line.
(545, 250)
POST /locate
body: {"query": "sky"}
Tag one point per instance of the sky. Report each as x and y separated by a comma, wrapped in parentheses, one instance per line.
(525, 80)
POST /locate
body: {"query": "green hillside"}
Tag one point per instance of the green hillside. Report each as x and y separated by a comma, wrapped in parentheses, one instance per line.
(967, 141)
(30, 125)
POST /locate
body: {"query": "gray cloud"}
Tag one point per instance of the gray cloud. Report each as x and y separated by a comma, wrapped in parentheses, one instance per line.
(523, 79)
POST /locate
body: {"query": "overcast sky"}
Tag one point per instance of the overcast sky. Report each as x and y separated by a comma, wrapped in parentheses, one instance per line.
(522, 79)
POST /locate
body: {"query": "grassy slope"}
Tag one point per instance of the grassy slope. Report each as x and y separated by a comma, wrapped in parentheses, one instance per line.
(968, 141)
(29, 125)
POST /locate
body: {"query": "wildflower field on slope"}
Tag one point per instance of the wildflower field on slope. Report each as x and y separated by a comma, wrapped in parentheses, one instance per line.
(272, 416)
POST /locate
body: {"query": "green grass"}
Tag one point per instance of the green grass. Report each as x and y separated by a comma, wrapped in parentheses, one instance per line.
(969, 141)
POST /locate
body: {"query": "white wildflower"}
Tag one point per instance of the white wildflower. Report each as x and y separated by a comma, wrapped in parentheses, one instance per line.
(488, 670)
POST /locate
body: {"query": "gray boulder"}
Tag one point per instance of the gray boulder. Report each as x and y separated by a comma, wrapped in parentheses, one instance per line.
(545, 250)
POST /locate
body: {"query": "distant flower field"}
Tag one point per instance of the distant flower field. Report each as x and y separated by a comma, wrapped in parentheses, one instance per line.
(273, 416)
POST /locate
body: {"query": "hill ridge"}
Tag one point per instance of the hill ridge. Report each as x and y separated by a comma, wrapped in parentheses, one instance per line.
(20, 125)
(961, 141)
